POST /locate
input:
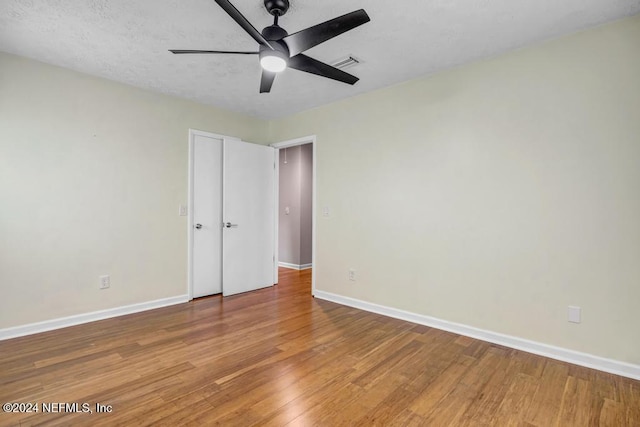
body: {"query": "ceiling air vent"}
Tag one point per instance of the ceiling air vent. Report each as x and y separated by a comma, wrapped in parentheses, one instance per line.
(347, 62)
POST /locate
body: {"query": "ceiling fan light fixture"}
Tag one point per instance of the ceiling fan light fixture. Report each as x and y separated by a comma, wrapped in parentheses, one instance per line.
(279, 50)
(273, 60)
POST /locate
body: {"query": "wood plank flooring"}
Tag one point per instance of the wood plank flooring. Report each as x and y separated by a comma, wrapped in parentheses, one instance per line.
(278, 357)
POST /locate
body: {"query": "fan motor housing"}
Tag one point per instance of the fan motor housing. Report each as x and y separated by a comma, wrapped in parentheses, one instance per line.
(276, 7)
(279, 46)
(274, 32)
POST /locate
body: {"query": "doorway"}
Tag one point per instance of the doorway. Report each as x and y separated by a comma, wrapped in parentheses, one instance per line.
(294, 207)
(296, 202)
(231, 227)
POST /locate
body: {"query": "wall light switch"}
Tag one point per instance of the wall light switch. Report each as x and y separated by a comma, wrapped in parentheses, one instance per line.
(286, 210)
(325, 211)
(182, 210)
(574, 314)
(105, 281)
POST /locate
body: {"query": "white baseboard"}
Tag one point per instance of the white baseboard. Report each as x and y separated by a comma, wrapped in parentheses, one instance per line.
(295, 266)
(63, 322)
(583, 359)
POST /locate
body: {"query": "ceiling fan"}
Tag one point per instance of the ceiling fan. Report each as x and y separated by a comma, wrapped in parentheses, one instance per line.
(279, 49)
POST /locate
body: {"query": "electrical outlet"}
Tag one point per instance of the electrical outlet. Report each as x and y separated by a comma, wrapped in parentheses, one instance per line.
(574, 314)
(352, 275)
(105, 281)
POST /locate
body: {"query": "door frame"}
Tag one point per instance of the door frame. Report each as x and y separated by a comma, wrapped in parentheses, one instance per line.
(311, 139)
(192, 135)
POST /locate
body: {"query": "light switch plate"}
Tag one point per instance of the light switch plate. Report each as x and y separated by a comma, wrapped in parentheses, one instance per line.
(105, 281)
(574, 314)
(182, 210)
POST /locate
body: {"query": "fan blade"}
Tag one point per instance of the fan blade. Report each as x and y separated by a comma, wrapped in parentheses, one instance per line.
(309, 65)
(178, 51)
(266, 81)
(312, 36)
(243, 22)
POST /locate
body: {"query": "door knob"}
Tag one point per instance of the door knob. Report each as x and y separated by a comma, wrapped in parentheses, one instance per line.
(198, 226)
(229, 225)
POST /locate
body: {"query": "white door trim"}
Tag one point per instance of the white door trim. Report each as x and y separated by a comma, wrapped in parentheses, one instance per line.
(192, 134)
(311, 139)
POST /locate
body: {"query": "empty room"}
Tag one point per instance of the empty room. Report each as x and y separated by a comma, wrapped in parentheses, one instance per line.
(293, 212)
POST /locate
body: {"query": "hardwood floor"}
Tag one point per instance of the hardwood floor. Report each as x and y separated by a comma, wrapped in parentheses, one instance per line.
(277, 356)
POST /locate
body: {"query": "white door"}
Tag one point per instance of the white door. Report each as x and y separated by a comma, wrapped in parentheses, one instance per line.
(207, 216)
(248, 258)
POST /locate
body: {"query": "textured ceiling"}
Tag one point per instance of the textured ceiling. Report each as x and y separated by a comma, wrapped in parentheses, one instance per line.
(127, 41)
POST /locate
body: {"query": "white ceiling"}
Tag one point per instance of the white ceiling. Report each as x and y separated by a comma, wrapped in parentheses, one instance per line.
(127, 41)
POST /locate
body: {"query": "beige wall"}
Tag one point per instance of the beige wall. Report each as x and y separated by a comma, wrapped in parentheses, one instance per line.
(493, 195)
(91, 176)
